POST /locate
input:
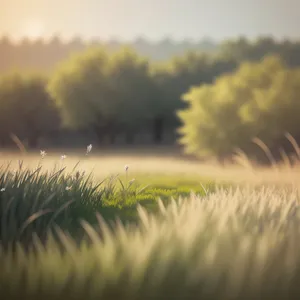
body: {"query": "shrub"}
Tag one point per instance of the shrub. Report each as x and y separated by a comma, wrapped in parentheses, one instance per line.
(259, 100)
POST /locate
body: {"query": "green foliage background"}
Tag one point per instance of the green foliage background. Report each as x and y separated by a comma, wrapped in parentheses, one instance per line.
(224, 99)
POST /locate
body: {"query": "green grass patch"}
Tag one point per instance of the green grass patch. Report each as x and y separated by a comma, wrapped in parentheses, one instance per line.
(152, 187)
(37, 200)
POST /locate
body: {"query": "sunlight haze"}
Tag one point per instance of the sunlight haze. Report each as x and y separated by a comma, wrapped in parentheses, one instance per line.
(156, 19)
(32, 29)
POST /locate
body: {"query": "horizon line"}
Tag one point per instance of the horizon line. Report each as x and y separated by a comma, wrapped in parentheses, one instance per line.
(167, 38)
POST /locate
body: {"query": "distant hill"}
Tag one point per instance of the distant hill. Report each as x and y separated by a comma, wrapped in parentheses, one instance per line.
(44, 55)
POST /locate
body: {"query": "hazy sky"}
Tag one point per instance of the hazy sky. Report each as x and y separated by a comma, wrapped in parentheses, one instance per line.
(153, 19)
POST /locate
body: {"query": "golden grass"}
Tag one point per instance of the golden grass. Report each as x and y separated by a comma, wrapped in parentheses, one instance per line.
(233, 244)
(236, 243)
(163, 163)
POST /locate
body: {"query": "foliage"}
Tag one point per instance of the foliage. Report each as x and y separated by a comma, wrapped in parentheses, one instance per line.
(234, 244)
(68, 90)
(26, 108)
(176, 76)
(101, 91)
(258, 100)
(122, 93)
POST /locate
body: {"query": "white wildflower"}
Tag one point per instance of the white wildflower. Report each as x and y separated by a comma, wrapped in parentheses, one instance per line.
(126, 168)
(43, 153)
(63, 157)
(2, 190)
(68, 188)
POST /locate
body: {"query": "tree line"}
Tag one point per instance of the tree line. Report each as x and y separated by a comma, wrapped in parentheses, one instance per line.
(216, 102)
(44, 55)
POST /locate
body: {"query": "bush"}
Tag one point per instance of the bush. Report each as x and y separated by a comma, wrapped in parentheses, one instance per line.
(26, 108)
(259, 100)
(107, 93)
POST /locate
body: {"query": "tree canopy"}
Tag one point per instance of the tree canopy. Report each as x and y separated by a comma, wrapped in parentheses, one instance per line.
(26, 108)
(232, 95)
(105, 92)
(258, 100)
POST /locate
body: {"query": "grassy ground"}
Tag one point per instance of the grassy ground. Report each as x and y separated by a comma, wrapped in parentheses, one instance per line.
(232, 245)
(156, 173)
(28, 182)
(161, 162)
(237, 242)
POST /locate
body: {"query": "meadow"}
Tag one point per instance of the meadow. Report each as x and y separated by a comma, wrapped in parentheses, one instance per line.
(146, 224)
(122, 221)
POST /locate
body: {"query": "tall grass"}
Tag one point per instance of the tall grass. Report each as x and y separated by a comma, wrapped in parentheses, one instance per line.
(233, 244)
(35, 200)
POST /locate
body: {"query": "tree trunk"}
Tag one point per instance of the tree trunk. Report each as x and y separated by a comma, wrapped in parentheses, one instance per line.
(158, 130)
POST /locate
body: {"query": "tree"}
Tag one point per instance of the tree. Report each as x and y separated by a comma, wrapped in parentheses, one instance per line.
(178, 75)
(135, 91)
(258, 100)
(108, 93)
(26, 108)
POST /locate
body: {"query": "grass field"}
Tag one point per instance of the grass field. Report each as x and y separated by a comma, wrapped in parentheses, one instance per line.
(231, 232)
(124, 181)
(158, 164)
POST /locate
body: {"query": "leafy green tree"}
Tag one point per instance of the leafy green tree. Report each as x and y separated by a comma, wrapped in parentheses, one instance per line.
(258, 100)
(135, 91)
(26, 108)
(78, 87)
(108, 93)
(8, 124)
(176, 76)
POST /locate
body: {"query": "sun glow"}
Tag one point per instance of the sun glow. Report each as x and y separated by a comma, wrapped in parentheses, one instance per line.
(33, 29)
